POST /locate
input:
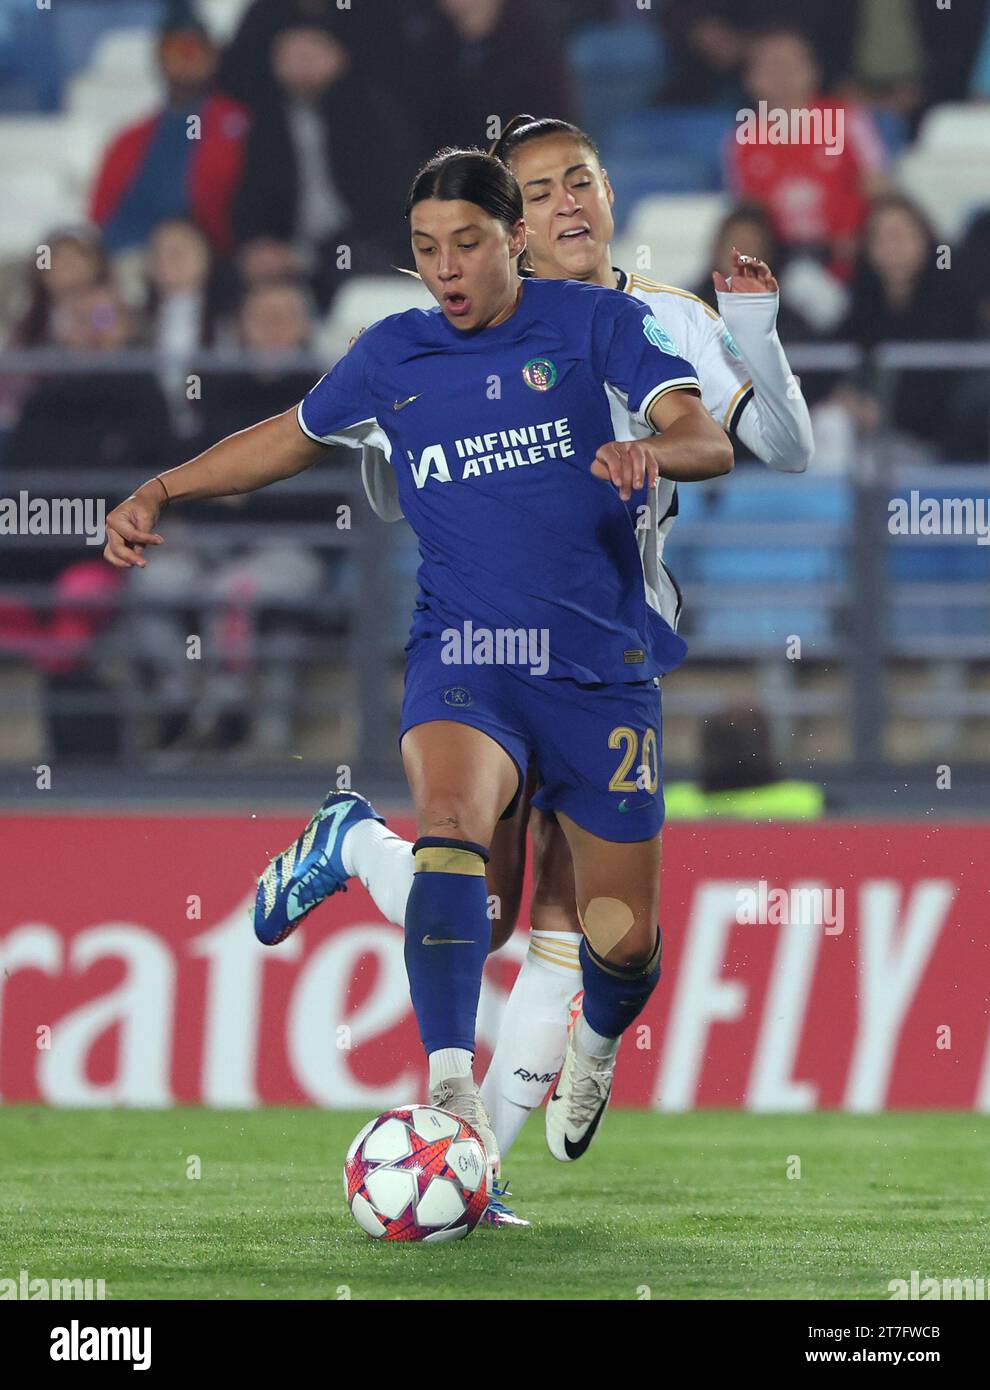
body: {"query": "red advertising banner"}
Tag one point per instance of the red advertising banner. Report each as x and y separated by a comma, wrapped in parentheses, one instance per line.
(805, 966)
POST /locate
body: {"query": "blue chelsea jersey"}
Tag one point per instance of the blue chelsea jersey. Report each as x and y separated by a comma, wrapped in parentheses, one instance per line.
(492, 434)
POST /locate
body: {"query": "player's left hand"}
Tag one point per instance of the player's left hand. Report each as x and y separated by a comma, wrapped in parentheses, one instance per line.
(627, 463)
(749, 276)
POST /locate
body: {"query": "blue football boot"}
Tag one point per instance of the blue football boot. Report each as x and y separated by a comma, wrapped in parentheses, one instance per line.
(497, 1213)
(298, 879)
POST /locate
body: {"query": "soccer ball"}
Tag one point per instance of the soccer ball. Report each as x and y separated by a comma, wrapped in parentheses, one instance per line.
(417, 1173)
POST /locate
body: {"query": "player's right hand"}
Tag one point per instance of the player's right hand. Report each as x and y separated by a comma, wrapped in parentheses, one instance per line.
(130, 527)
(627, 463)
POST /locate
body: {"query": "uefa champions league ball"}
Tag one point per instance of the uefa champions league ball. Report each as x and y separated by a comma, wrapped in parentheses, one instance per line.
(417, 1173)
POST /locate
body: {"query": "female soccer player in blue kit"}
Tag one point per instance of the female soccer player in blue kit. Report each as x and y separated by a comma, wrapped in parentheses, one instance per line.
(497, 410)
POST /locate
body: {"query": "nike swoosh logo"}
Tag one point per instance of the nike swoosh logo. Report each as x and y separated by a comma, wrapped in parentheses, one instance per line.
(447, 941)
(398, 405)
(641, 806)
(576, 1150)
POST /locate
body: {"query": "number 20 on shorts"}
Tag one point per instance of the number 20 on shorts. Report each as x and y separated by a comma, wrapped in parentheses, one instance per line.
(648, 763)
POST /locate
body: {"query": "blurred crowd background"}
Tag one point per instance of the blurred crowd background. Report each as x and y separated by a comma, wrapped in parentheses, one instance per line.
(158, 292)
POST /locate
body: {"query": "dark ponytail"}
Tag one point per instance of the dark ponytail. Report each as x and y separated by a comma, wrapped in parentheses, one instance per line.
(470, 175)
(522, 129)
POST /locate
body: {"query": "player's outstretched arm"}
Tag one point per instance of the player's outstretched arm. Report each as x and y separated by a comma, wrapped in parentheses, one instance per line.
(692, 447)
(243, 462)
(776, 424)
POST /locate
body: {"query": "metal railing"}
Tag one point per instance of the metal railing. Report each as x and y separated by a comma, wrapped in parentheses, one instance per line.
(357, 627)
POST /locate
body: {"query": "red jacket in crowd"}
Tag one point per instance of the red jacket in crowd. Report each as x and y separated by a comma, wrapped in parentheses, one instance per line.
(214, 170)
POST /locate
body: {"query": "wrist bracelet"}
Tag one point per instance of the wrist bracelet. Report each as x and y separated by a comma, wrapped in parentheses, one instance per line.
(157, 479)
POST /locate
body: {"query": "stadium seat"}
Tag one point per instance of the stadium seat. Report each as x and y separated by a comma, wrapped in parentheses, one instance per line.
(947, 170)
(222, 17)
(635, 177)
(955, 129)
(678, 232)
(79, 27)
(893, 128)
(964, 562)
(32, 142)
(29, 79)
(365, 300)
(618, 69)
(112, 105)
(753, 627)
(776, 498)
(84, 143)
(786, 571)
(35, 200)
(695, 132)
(763, 562)
(125, 53)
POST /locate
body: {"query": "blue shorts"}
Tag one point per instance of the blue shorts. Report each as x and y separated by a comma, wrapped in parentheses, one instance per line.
(595, 748)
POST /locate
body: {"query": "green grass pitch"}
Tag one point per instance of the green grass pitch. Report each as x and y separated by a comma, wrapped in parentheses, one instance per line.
(664, 1206)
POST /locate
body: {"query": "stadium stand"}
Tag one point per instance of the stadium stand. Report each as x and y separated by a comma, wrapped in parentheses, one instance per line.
(761, 557)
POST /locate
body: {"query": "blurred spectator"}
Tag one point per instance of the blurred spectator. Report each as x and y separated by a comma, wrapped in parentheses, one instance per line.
(246, 63)
(907, 54)
(275, 326)
(969, 437)
(887, 63)
(747, 227)
(307, 177)
(78, 260)
(185, 289)
(166, 166)
(740, 777)
(952, 42)
(245, 687)
(244, 675)
(93, 420)
(65, 646)
(467, 60)
(817, 194)
(267, 258)
(900, 295)
(186, 295)
(707, 41)
(974, 268)
(252, 612)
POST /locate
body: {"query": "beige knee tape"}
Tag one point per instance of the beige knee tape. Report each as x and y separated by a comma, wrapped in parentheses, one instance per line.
(605, 922)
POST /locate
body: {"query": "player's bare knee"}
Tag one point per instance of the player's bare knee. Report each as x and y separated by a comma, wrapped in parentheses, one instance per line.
(454, 816)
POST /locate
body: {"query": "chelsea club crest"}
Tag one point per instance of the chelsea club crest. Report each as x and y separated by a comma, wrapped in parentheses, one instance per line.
(539, 373)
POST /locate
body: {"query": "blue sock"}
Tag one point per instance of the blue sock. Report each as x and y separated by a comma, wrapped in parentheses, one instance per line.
(616, 995)
(448, 933)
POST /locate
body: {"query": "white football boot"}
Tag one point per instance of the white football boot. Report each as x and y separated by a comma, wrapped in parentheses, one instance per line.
(578, 1100)
(462, 1097)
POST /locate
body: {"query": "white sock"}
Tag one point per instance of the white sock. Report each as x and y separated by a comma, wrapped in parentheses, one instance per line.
(594, 1043)
(383, 861)
(533, 1033)
(449, 1061)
